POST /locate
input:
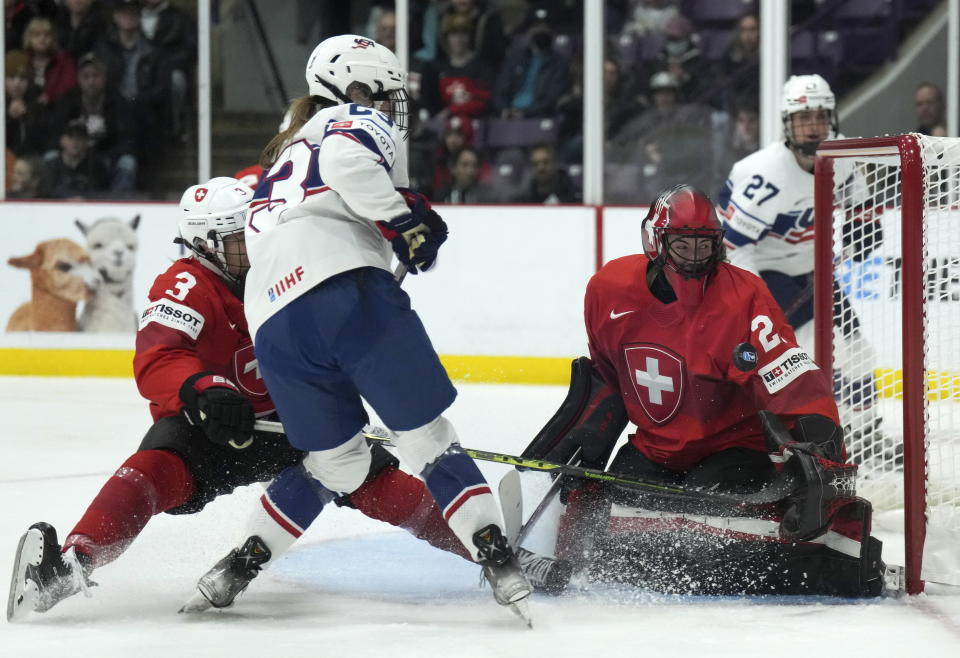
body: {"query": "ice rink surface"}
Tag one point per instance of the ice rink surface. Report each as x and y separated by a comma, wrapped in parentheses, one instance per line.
(353, 587)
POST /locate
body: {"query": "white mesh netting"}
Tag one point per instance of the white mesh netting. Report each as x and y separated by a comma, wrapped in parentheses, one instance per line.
(868, 354)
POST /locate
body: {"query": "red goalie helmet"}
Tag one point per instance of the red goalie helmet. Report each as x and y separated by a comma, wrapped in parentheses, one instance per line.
(684, 237)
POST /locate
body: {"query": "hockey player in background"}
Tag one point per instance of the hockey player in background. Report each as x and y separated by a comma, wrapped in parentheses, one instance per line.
(329, 320)
(194, 362)
(695, 352)
(767, 209)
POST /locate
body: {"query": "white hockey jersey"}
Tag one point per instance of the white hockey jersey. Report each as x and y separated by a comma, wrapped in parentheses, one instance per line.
(767, 211)
(313, 213)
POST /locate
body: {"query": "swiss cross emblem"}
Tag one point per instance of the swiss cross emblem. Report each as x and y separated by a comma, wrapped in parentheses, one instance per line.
(200, 194)
(246, 372)
(657, 375)
(362, 43)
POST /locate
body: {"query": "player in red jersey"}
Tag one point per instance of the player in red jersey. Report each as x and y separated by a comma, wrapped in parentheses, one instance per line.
(194, 362)
(691, 350)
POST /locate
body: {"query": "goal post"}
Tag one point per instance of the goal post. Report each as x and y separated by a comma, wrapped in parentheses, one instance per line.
(887, 328)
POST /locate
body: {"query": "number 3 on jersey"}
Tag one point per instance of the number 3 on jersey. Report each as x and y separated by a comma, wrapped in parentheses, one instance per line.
(185, 281)
(768, 339)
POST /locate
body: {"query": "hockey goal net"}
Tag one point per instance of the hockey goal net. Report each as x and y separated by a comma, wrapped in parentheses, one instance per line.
(887, 324)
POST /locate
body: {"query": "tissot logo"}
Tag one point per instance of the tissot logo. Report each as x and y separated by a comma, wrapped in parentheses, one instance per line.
(791, 365)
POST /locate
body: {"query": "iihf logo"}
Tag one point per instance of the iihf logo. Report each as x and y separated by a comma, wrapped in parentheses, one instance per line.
(362, 43)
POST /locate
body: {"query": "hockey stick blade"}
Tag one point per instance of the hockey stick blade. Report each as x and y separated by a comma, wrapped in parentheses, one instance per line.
(779, 488)
(511, 502)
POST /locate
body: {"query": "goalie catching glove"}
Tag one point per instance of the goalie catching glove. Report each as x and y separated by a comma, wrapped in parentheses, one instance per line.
(811, 452)
(416, 236)
(215, 405)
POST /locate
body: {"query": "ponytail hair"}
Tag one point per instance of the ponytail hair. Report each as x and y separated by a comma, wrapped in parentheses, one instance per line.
(300, 111)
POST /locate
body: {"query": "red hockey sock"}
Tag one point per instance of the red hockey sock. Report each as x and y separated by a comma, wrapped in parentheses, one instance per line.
(403, 500)
(148, 483)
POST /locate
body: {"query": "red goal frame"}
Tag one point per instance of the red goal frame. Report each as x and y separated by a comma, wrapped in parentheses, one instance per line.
(912, 299)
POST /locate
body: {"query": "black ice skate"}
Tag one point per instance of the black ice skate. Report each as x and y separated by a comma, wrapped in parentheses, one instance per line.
(546, 574)
(229, 577)
(501, 569)
(42, 575)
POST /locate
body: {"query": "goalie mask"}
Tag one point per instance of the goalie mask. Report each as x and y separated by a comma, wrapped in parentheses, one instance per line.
(683, 237)
(810, 95)
(212, 219)
(354, 69)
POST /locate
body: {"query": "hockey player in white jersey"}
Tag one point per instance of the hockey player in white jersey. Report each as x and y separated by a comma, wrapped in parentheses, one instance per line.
(767, 207)
(330, 322)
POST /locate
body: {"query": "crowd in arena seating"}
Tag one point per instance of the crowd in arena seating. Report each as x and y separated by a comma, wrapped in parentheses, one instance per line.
(95, 91)
(499, 98)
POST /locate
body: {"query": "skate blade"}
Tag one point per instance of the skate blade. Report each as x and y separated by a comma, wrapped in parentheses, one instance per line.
(521, 609)
(24, 593)
(196, 603)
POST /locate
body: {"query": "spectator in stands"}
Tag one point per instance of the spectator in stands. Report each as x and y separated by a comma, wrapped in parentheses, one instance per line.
(53, 69)
(533, 78)
(484, 25)
(80, 24)
(458, 83)
(73, 172)
(111, 132)
(671, 140)
(681, 56)
(135, 70)
(457, 135)
(425, 31)
(173, 34)
(22, 183)
(465, 186)
(740, 66)
(548, 183)
(385, 30)
(743, 139)
(26, 124)
(18, 13)
(929, 109)
(650, 17)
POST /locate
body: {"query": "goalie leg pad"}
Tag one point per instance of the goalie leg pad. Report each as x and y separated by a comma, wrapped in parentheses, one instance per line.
(587, 424)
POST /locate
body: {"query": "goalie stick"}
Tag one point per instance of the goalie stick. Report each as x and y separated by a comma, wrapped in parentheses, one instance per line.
(779, 488)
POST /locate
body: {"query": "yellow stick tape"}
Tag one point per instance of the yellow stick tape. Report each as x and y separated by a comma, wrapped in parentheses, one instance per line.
(119, 363)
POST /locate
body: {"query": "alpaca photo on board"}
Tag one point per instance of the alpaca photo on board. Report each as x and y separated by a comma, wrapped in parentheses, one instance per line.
(60, 278)
(112, 244)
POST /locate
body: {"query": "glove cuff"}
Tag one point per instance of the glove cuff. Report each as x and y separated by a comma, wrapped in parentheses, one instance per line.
(196, 384)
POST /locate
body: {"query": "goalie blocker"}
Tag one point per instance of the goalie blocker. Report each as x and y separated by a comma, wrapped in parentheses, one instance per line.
(815, 541)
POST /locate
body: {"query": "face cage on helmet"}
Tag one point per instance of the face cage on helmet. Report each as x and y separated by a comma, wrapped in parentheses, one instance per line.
(809, 149)
(215, 249)
(700, 267)
(396, 105)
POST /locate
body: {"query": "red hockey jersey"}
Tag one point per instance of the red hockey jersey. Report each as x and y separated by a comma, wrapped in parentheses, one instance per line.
(694, 378)
(193, 324)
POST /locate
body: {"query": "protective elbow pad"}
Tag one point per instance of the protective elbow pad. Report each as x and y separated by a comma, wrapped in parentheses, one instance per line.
(586, 426)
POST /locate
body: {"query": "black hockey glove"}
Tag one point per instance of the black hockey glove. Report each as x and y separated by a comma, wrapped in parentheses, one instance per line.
(416, 236)
(215, 405)
(810, 452)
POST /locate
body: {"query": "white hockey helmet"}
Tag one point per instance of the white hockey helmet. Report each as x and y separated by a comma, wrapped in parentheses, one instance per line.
(340, 61)
(802, 93)
(211, 212)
